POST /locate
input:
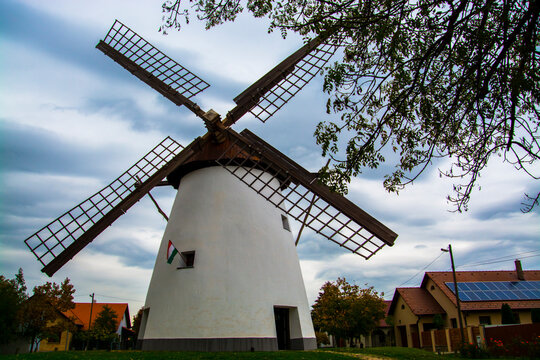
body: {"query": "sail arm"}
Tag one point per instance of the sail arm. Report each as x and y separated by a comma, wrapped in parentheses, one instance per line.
(59, 241)
(272, 91)
(304, 198)
(153, 67)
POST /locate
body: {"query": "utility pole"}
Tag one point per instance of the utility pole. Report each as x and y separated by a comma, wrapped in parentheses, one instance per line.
(449, 250)
(90, 320)
(92, 306)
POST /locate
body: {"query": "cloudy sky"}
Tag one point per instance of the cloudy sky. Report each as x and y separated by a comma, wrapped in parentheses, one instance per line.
(72, 120)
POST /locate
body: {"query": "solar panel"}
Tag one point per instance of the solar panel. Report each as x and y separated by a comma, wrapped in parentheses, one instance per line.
(497, 290)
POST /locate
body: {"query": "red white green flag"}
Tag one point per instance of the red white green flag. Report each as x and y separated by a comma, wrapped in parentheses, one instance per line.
(171, 252)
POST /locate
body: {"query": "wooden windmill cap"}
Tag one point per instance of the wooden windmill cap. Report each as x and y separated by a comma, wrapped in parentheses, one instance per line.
(207, 155)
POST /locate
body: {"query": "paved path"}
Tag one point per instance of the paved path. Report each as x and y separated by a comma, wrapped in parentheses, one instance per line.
(361, 356)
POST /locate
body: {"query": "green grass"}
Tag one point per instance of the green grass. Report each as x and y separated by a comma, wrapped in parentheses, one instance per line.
(396, 353)
(164, 355)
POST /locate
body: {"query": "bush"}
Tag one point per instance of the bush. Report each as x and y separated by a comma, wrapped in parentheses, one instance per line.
(322, 338)
(473, 351)
(517, 347)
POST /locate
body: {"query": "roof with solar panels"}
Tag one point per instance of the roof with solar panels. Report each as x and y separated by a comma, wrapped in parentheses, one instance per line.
(478, 290)
(486, 290)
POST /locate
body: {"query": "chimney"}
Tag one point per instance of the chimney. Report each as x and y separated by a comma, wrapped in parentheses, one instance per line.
(519, 270)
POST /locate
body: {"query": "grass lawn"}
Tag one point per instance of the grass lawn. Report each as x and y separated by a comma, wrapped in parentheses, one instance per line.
(388, 353)
(396, 353)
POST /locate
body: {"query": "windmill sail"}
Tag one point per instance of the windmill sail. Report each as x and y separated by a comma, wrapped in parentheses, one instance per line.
(302, 197)
(150, 65)
(56, 243)
(271, 92)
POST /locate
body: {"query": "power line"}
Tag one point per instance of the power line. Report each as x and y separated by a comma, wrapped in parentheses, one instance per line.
(113, 297)
(503, 258)
(498, 261)
(424, 268)
(509, 257)
(485, 262)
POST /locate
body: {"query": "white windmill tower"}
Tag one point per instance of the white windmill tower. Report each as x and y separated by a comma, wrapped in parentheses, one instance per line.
(227, 275)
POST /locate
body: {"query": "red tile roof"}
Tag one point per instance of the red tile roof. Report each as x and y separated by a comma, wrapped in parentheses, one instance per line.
(382, 322)
(419, 301)
(441, 277)
(81, 313)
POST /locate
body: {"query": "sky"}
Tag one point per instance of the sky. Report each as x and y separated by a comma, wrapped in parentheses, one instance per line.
(72, 120)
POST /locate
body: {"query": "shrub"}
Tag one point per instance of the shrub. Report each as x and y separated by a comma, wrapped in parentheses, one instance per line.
(507, 316)
(473, 351)
(322, 338)
(517, 347)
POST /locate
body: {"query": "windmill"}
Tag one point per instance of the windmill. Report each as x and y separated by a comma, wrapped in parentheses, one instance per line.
(227, 276)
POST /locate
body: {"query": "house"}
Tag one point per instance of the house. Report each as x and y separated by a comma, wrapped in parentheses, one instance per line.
(481, 294)
(60, 341)
(80, 316)
(383, 335)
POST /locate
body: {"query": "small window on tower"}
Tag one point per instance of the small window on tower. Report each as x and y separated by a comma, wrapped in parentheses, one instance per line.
(285, 222)
(187, 259)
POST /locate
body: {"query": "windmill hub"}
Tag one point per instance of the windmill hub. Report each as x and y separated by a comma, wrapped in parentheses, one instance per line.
(212, 121)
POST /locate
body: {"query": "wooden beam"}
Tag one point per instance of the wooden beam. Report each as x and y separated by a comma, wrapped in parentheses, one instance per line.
(149, 79)
(251, 96)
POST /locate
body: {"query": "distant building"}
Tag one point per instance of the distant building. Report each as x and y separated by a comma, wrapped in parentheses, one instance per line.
(80, 316)
(481, 294)
(383, 335)
(60, 341)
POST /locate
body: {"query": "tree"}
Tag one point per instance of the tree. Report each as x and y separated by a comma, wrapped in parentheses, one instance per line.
(321, 338)
(346, 310)
(438, 321)
(427, 80)
(12, 297)
(137, 321)
(40, 315)
(507, 316)
(105, 326)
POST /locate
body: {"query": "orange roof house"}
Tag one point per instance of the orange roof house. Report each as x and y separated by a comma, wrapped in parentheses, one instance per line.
(382, 322)
(481, 295)
(419, 301)
(81, 314)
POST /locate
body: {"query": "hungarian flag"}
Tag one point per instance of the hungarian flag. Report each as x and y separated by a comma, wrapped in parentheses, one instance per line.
(171, 252)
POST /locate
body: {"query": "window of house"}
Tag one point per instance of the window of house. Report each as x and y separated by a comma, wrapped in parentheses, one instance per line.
(454, 323)
(402, 306)
(285, 222)
(187, 259)
(484, 320)
(54, 337)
